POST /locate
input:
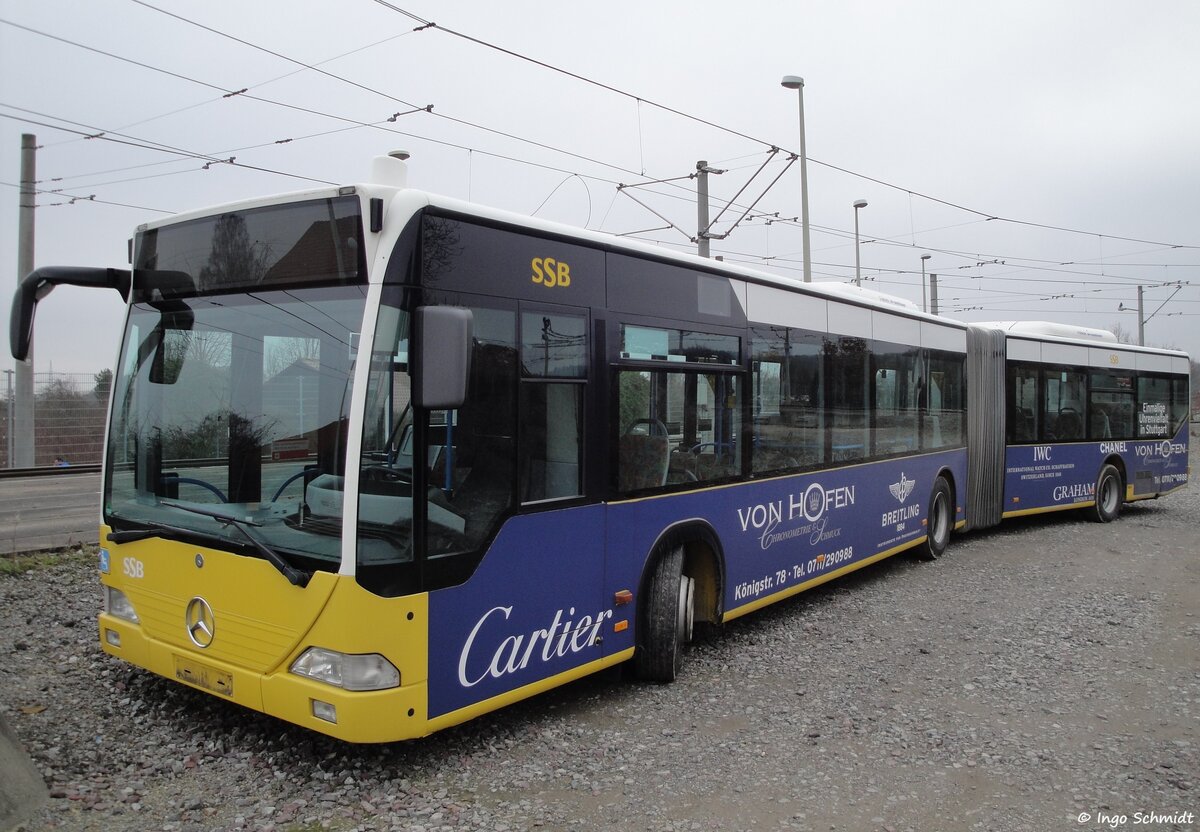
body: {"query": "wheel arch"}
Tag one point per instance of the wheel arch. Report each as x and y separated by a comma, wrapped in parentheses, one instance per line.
(1100, 509)
(1117, 462)
(948, 475)
(703, 562)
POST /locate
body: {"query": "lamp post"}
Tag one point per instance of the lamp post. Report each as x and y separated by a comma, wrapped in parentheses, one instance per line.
(795, 82)
(858, 203)
(924, 306)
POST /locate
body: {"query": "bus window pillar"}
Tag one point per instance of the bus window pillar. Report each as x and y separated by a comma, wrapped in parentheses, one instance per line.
(245, 409)
(690, 424)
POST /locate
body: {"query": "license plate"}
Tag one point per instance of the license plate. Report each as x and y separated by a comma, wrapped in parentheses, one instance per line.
(203, 676)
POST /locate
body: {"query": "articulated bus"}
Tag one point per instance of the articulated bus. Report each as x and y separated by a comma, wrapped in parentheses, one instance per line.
(379, 462)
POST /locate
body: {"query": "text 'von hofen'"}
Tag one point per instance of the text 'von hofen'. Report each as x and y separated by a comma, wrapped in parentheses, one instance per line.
(812, 505)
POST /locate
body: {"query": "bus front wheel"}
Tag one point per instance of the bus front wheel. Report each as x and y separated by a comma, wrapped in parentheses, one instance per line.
(940, 521)
(668, 614)
(1108, 495)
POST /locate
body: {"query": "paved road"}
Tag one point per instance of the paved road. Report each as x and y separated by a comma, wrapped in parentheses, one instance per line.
(48, 512)
(63, 509)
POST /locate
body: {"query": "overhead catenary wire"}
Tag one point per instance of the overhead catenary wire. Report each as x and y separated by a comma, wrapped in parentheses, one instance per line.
(80, 198)
(212, 159)
(163, 148)
(984, 217)
(243, 93)
(252, 86)
(107, 135)
(430, 25)
(272, 52)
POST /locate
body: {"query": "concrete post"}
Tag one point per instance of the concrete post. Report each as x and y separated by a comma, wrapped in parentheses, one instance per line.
(23, 432)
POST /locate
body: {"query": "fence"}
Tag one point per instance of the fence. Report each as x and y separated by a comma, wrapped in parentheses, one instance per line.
(69, 411)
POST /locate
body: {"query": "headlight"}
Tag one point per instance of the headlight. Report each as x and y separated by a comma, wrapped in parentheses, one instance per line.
(345, 670)
(115, 603)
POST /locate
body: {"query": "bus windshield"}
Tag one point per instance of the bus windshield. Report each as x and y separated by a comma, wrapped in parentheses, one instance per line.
(236, 403)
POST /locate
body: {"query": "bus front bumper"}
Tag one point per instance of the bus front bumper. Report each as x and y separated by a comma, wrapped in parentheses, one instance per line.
(354, 716)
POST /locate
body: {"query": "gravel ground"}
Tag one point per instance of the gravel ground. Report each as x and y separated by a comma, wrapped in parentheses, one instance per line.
(1038, 671)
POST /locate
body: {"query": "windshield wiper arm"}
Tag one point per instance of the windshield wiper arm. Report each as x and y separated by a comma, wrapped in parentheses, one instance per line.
(295, 576)
(157, 530)
(165, 532)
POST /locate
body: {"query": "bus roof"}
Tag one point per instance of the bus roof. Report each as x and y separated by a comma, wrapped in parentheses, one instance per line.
(1051, 331)
(389, 175)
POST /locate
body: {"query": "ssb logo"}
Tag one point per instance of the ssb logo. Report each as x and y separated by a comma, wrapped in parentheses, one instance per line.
(550, 273)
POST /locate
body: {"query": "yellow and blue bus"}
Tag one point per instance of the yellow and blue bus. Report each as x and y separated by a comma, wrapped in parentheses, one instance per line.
(379, 462)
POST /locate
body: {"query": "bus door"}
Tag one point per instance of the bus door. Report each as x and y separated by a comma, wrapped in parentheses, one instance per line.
(677, 429)
(532, 607)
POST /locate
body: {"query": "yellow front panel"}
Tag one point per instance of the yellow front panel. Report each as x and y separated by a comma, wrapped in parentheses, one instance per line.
(259, 616)
(261, 625)
(356, 621)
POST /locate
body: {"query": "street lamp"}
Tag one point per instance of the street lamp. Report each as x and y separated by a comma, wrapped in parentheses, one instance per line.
(1141, 308)
(1140, 311)
(924, 306)
(795, 82)
(858, 203)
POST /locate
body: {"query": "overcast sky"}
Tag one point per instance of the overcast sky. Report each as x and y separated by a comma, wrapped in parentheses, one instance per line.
(1074, 115)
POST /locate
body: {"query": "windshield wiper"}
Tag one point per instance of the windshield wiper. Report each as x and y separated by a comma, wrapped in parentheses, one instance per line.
(296, 577)
(157, 530)
(165, 532)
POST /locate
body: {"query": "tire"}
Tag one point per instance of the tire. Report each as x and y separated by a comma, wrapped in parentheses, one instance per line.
(667, 618)
(1108, 495)
(940, 521)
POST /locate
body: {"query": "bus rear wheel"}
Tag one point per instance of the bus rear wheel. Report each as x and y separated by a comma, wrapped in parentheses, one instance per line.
(1108, 495)
(668, 615)
(941, 520)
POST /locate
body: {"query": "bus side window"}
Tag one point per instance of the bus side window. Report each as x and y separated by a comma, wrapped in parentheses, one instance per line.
(1110, 405)
(553, 376)
(1022, 416)
(850, 399)
(551, 441)
(1154, 406)
(898, 383)
(1064, 404)
(1179, 402)
(676, 428)
(789, 400)
(944, 408)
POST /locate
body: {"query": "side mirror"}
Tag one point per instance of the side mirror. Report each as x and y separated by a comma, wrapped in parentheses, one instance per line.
(39, 282)
(443, 364)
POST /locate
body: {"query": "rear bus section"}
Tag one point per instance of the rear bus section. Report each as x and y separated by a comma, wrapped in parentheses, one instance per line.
(1088, 423)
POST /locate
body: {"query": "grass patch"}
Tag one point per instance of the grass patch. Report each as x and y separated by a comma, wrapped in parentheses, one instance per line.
(19, 564)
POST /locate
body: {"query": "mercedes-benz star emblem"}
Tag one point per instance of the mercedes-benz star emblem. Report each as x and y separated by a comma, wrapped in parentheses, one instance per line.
(201, 627)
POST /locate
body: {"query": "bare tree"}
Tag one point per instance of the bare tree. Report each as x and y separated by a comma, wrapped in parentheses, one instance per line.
(1124, 336)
